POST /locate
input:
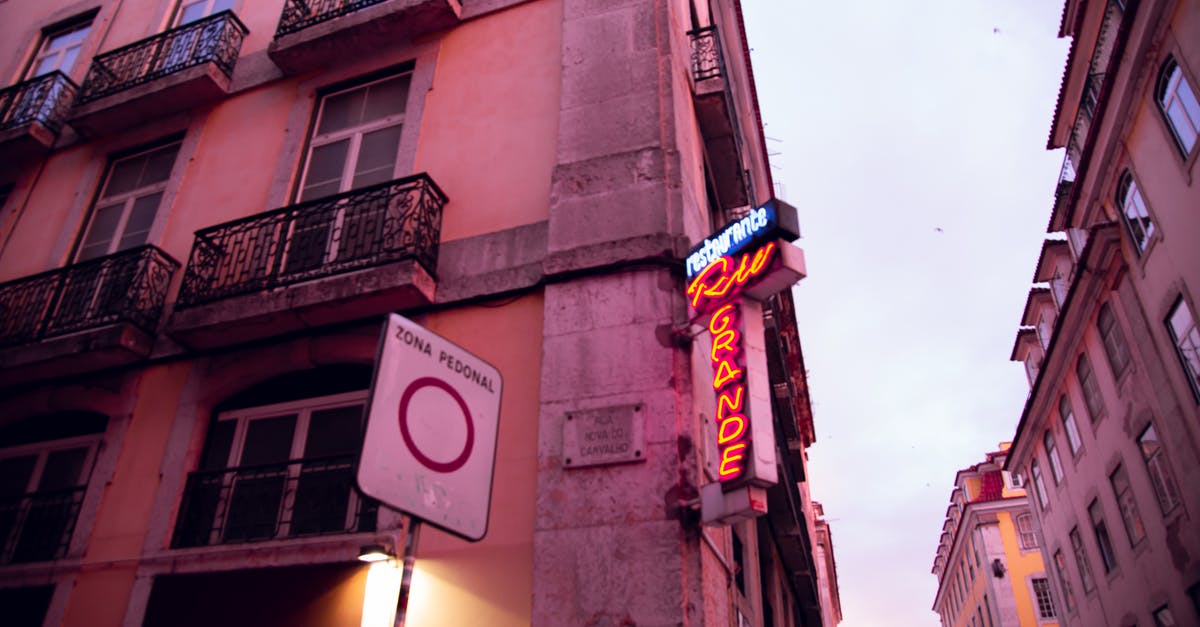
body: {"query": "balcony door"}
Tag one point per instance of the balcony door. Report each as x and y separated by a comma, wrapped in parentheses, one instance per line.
(354, 145)
(41, 486)
(124, 214)
(58, 52)
(186, 47)
(277, 471)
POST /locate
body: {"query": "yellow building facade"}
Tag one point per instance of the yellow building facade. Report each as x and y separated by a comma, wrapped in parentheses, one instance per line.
(989, 568)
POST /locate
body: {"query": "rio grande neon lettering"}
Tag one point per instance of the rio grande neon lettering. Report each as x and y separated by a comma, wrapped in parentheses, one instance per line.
(717, 288)
(724, 278)
(729, 384)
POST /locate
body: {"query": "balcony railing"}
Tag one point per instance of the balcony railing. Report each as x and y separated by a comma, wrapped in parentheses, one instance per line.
(215, 39)
(37, 527)
(707, 60)
(45, 99)
(300, 14)
(129, 286)
(255, 503)
(354, 230)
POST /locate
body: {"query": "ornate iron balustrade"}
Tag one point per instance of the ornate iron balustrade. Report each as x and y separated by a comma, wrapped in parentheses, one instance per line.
(297, 498)
(38, 526)
(707, 60)
(45, 99)
(366, 227)
(215, 39)
(129, 286)
(300, 14)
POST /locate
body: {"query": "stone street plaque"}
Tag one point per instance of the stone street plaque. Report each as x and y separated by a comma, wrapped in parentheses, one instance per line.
(609, 435)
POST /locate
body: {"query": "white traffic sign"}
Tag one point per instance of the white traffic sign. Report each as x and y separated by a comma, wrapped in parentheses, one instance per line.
(430, 444)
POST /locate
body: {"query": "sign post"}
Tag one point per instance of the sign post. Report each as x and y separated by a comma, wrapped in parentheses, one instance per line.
(432, 419)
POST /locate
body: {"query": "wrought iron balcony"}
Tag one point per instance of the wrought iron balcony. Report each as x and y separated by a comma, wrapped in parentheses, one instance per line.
(37, 527)
(300, 14)
(129, 286)
(297, 498)
(45, 100)
(359, 229)
(216, 39)
(707, 60)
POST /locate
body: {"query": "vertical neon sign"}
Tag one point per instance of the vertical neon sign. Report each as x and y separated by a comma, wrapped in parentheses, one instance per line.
(717, 288)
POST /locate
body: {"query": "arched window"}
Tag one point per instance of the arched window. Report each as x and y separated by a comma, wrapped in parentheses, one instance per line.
(1133, 211)
(280, 461)
(45, 464)
(1178, 103)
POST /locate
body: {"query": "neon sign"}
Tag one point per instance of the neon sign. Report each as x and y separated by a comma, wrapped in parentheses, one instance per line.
(719, 285)
(774, 220)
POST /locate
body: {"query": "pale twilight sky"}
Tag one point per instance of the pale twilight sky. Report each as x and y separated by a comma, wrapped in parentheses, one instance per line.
(896, 118)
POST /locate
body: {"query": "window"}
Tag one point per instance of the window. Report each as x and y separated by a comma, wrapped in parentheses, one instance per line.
(60, 49)
(1060, 566)
(1056, 471)
(1058, 288)
(1100, 528)
(1164, 618)
(356, 139)
(1038, 485)
(1045, 603)
(129, 202)
(355, 144)
(987, 610)
(1178, 104)
(1128, 505)
(1159, 470)
(1025, 532)
(186, 47)
(1045, 328)
(1133, 210)
(1091, 390)
(45, 463)
(192, 10)
(1081, 560)
(1182, 325)
(1114, 341)
(280, 470)
(1068, 419)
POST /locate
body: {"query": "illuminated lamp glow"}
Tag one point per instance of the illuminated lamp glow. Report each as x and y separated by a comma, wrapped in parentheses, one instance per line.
(381, 594)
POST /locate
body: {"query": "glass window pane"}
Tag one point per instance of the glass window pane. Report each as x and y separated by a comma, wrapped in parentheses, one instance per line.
(101, 232)
(125, 176)
(377, 157)
(137, 227)
(15, 473)
(334, 432)
(68, 59)
(64, 469)
(158, 165)
(192, 12)
(342, 111)
(386, 98)
(268, 440)
(325, 166)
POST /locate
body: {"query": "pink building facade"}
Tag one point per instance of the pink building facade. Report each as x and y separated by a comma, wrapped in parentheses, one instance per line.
(1109, 441)
(207, 207)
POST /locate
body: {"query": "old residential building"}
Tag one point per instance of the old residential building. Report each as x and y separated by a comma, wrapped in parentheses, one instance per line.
(207, 207)
(1109, 440)
(989, 569)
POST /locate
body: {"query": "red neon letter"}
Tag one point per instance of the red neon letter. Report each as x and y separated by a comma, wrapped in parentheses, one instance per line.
(725, 372)
(729, 401)
(730, 468)
(723, 434)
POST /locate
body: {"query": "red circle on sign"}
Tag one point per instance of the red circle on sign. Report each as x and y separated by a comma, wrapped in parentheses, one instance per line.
(424, 459)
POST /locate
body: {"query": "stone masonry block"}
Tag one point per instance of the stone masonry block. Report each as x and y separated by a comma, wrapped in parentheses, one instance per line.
(615, 494)
(659, 406)
(607, 173)
(609, 300)
(603, 36)
(606, 361)
(613, 216)
(597, 79)
(614, 126)
(575, 9)
(602, 576)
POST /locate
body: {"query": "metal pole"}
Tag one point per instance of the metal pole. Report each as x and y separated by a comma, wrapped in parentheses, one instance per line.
(410, 558)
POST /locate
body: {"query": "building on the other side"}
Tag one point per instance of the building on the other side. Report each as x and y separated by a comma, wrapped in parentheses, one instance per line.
(988, 566)
(208, 210)
(1108, 443)
(827, 582)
